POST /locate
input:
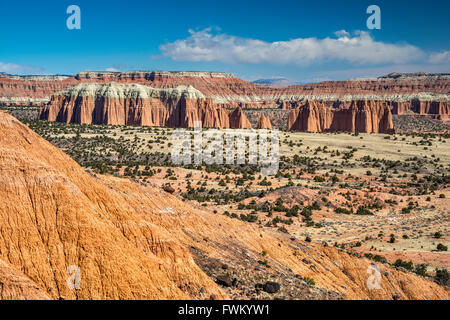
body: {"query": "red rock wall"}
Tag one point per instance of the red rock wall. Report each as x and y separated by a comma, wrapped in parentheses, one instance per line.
(360, 116)
(182, 113)
(33, 89)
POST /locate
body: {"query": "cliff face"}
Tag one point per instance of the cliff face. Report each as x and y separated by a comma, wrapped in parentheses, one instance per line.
(360, 116)
(424, 94)
(31, 90)
(188, 112)
(439, 109)
(312, 117)
(133, 104)
(238, 120)
(227, 90)
(364, 116)
(131, 241)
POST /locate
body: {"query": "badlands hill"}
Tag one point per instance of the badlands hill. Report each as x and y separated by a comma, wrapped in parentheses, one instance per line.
(134, 241)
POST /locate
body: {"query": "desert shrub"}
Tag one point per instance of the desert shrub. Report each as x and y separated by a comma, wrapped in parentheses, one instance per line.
(421, 270)
(362, 210)
(403, 264)
(441, 277)
(342, 210)
(392, 239)
(309, 281)
(319, 179)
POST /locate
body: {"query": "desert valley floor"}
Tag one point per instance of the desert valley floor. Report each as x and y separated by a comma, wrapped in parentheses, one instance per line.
(385, 196)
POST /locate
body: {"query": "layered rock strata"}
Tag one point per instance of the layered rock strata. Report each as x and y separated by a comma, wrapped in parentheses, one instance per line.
(361, 116)
(134, 104)
(424, 94)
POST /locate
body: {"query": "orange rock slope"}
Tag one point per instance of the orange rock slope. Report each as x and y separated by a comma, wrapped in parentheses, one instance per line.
(15, 286)
(131, 241)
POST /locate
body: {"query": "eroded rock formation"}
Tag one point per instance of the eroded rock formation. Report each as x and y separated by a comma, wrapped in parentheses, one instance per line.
(312, 116)
(238, 120)
(264, 122)
(16, 286)
(424, 94)
(360, 116)
(134, 104)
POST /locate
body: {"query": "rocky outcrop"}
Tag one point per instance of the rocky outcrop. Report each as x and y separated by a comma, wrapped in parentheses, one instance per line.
(115, 103)
(438, 109)
(360, 116)
(238, 120)
(134, 104)
(189, 112)
(264, 123)
(312, 116)
(364, 116)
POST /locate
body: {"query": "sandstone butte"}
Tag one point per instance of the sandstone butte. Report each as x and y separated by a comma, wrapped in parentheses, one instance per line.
(134, 104)
(424, 94)
(238, 120)
(129, 245)
(264, 122)
(360, 116)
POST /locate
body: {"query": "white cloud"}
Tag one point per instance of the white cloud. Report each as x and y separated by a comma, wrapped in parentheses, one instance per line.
(342, 33)
(360, 48)
(441, 57)
(112, 70)
(17, 68)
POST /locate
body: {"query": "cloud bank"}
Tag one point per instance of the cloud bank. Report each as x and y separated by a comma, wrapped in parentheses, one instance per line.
(17, 68)
(361, 48)
(441, 57)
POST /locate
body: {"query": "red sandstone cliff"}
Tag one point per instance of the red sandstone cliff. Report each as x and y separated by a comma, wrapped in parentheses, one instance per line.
(312, 116)
(360, 116)
(201, 110)
(423, 94)
(132, 104)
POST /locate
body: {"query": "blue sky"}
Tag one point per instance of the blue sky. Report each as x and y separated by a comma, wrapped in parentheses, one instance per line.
(252, 39)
